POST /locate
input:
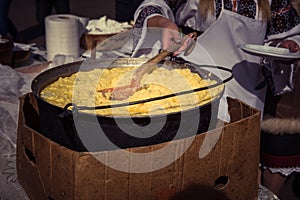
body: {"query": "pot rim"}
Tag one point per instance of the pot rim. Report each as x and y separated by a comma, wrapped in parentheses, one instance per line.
(76, 109)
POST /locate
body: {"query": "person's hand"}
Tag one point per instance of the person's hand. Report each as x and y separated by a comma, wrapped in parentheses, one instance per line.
(170, 33)
(293, 48)
(291, 45)
(288, 44)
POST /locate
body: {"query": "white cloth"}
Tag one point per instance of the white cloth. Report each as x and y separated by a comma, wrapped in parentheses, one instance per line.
(217, 48)
(11, 83)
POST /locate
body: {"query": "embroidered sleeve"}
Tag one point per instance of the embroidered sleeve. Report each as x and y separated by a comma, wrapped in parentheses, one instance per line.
(284, 17)
(138, 25)
(151, 10)
(246, 8)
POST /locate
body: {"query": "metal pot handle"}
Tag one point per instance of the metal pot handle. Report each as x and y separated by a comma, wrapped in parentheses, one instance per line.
(67, 120)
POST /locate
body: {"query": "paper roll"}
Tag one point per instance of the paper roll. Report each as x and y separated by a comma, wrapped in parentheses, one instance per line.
(62, 35)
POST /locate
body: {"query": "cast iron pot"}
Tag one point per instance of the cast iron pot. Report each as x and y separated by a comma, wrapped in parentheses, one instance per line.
(81, 131)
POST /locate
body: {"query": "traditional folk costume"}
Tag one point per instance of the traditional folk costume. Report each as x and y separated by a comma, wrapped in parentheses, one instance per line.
(233, 23)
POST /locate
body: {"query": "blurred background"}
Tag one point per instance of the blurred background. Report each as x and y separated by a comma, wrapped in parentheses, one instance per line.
(23, 15)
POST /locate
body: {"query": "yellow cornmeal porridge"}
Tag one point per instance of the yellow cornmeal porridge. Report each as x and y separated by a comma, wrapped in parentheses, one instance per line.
(82, 88)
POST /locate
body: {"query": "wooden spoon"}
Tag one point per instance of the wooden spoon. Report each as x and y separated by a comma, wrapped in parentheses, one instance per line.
(124, 92)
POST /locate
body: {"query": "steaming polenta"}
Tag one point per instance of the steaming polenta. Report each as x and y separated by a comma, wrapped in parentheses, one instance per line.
(81, 88)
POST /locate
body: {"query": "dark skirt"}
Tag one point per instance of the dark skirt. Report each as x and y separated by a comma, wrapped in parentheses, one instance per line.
(280, 151)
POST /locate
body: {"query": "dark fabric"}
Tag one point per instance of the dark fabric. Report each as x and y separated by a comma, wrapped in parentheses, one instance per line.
(296, 184)
(280, 161)
(278, 76)
(125, 9)
(280, 145)
(286, 105)
(244, 7)
(44, 8)
(284, 17)
(280, 150)
(4, 5)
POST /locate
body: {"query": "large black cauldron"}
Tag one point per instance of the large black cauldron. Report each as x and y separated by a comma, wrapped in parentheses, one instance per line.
(80, 131)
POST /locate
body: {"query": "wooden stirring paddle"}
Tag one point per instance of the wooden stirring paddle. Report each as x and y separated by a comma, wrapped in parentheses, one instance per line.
(124, 92)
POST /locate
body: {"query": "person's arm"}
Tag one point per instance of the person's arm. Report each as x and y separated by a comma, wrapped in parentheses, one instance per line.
(141, 16)
(170, 31)
(156, 14)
